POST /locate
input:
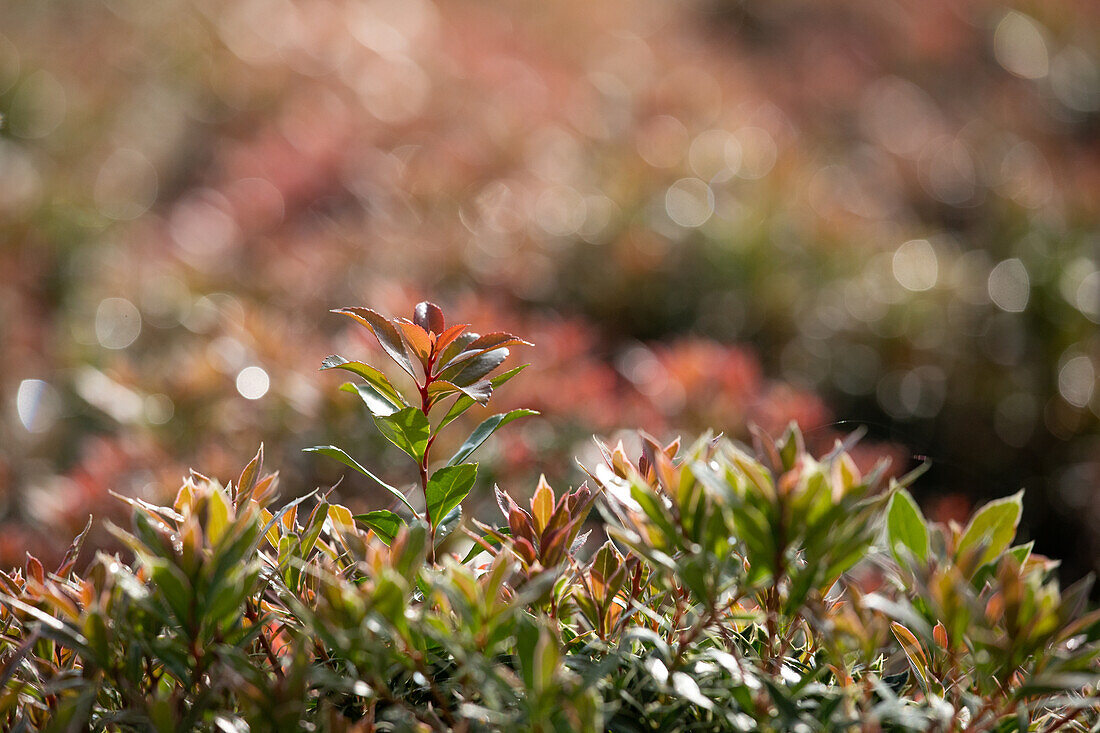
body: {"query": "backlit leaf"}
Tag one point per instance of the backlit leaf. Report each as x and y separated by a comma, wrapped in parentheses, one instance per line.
(385, 332)
(417, 339)
(906, 526)
(408, 429)
(473, 369)
(446, 338)
(465, 402)
(383, 522)
(334, 452)
(484, 430)
(379, 381)
(429, 316)
(246, 484)
(542, 504)
(447, 487)
(994, 525)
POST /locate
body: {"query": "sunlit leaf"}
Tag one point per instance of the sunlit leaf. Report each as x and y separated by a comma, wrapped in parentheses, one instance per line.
(374, 377)
(471, 370)
(484, 430)
(408, 429)
(913, 650)
(464, 402)
(334, 452)
(384, 523)
(447, 487)
(377, 405)
(417, 339)
(993, 525)
(429, 316)
(906, 526)
(385, 332)
(478, 391)
(483, 344)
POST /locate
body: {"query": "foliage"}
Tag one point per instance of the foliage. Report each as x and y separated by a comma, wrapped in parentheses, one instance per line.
(225, 170)
(739, 589)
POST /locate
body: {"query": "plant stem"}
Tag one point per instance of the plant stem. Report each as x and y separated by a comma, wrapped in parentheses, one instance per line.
(425, 407)
(276, 667)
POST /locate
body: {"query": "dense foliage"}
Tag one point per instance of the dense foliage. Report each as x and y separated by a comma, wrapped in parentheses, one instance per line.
(738, 589)
(888, 209)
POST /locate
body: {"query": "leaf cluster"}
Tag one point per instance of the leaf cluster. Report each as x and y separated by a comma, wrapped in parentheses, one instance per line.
(740, 588)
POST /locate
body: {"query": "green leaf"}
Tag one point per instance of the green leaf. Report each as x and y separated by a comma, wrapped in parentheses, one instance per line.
(906, 526)
(790, 446)
(384, 523)
(1022, 552)
(377, 404)
(385, 332)
(333, 452)
(464, 402)
(488, 539)
(994, 525)
(313, 529)
(913, 650)
(447, 488)
(448, 524)
(175, 588)
(547, 660)
(374, 377)
(408, 429)
(484, 430)
(527, 638)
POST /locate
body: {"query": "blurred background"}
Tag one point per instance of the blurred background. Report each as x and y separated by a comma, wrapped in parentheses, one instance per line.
(702, 212)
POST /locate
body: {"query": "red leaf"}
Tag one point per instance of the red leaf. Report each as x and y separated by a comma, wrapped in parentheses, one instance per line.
(525, 549)
(417, 339)
(429, 316)
(445, 339)
(34, 569)
(521, 525)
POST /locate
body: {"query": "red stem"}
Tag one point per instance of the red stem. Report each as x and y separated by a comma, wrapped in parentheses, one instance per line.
(425, 407)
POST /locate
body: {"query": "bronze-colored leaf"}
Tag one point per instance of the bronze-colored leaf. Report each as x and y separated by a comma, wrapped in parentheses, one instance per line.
(417, 339)
(385, 332)
(429, 316)
(246, 484)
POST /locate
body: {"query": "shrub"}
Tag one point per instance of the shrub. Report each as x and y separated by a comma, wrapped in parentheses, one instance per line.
(738, 589)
